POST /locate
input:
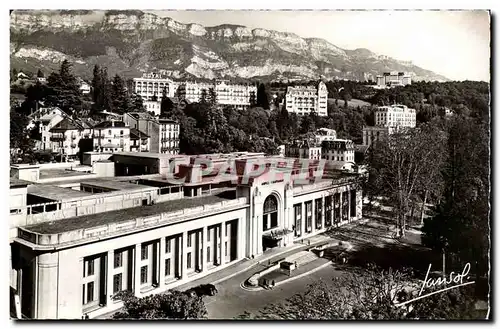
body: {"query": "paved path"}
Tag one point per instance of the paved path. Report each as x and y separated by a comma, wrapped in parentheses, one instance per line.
(232, 300)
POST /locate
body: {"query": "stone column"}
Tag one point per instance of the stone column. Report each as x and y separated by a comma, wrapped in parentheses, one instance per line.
(323, 213)
(223, 243)
(46, 293)
(204, 249)
(348, 205)
(340, 219)
(302, 219)
(137, 270)
(109, 276)
(161, 259)
(184, 255)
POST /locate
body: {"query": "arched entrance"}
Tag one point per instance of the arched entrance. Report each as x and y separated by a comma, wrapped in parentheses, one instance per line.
(270, 222)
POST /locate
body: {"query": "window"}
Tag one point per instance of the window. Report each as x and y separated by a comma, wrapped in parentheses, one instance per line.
(227, 229)
(167, 266)
(144, 274)
(168, 246)
(117, 283)
(208, 254)
(225, 248)
(90, 292)
(189, 240)
(90, 267)
(208, 235)
(189, 260)
(118, 259)
(121, 132)
(144, 252)
(109, 132)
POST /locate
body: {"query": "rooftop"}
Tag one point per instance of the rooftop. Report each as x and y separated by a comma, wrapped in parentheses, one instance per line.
(150, 155)
(57, 173)
(14, 182)
(66, 124)
(82, 222)
(110, 124)
(55, 193)
(137, 134)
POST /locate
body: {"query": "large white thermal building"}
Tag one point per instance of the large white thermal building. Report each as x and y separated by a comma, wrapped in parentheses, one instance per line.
(389, 119)
(306, 99)
(77, 240)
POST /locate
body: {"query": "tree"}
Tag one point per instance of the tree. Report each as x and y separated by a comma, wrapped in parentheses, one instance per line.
(460, 222)
(371, 294)
(63, 90)
(20, 143)
(174, 305)
(212, 97)
(137, 104)
(120, 100)
(253, 99)
(166, 105)
(400, 163)
(40, 74)
(262, 98)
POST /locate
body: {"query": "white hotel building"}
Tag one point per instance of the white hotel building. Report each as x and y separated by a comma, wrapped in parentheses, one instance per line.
(153, 84)
(77, 241)
(389, 119)
(306, 99)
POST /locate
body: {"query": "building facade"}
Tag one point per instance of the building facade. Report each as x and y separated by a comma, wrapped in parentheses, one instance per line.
(81, 247)
(397, 116)
(339, 152)
(325, 134)
(169, 136)
(111, 136)
(153, 106)
(389, 119)
(152, 85)
(393, 79)
(146, 124)
(66, 137)
(47, 121)
(306, 99)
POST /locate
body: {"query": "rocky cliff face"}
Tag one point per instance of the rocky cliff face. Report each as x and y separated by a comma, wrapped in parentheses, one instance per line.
(131, 42)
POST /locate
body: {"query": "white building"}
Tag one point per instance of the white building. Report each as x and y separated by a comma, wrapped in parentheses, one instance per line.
(389, 119)
(47, 121)
(304, 100)
(325, 134)
(393, 79)
(84, 88)
(152, 85)
(153, 106)
(76, 244)
(237, 95)
(339, 153)
(395, 116)
(169, 136)
(111, 136)
(66, 136)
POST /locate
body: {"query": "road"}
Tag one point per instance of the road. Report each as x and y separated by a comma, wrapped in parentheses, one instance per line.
(232, 300)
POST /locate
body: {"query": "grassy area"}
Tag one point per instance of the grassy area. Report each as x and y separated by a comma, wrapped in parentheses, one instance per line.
(352, 103)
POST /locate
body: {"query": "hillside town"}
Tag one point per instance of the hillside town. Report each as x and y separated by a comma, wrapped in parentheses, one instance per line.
(154, 197)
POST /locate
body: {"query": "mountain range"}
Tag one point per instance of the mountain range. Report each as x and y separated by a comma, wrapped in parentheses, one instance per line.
(131, 42)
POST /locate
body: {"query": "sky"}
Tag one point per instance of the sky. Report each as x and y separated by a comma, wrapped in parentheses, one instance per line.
(455, 44)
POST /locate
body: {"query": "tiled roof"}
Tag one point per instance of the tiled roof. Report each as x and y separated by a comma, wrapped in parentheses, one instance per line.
(137, 134)
(110, 124)
(66, 124)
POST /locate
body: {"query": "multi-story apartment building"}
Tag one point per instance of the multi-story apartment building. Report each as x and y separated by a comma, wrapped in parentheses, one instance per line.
(303, 149)
(399, 116)
(111, 136)
(152, 85)
(339, 152)
(393, 79)
(389, 119)
(146, 124)
(47, 121)
(73, 249)
(169, 136)
(66, 137)
(306, 99)
(237, 95)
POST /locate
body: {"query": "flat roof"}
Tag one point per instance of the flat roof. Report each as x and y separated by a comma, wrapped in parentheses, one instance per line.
(115, 184)
(88, 221)
(14, 182)
(54, 173)
(147, 155)
(55, 193)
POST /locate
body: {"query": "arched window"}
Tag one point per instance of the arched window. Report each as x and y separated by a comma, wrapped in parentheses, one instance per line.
(270, 217)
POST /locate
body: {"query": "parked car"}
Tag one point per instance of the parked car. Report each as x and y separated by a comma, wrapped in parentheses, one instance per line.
(202, 290)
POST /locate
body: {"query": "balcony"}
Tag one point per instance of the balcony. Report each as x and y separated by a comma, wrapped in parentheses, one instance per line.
(57, 138)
